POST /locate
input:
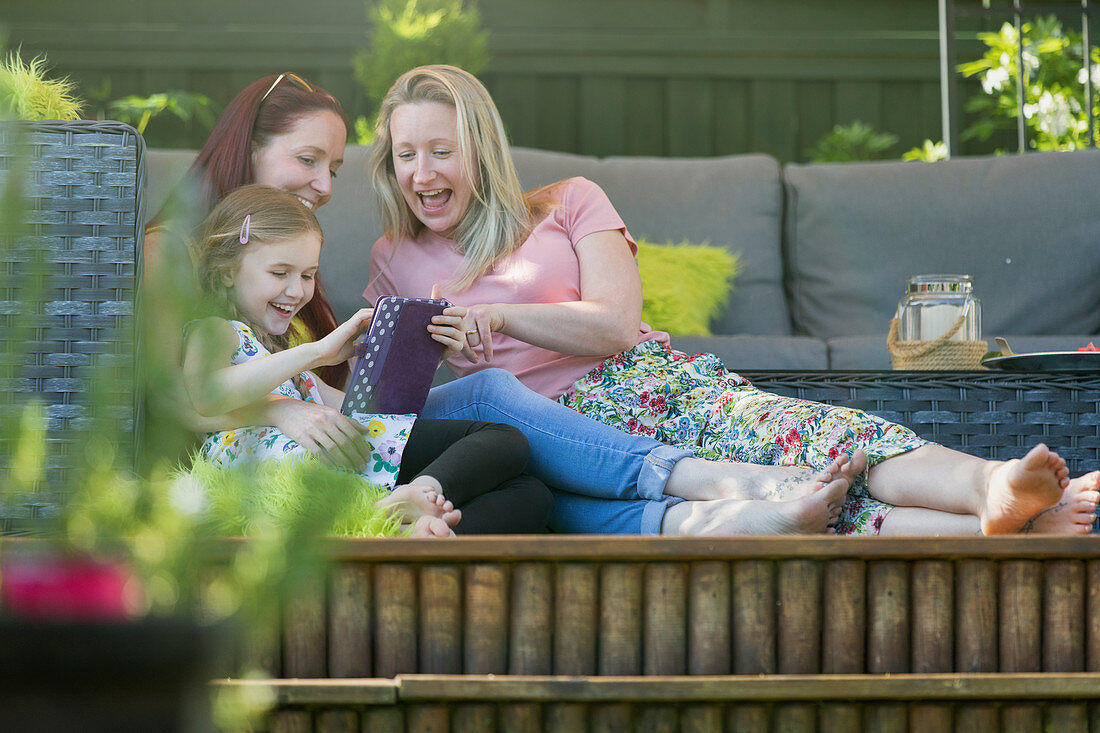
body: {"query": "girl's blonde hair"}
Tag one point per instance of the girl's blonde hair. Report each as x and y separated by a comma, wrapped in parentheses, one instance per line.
(498, 219)
(273, 216)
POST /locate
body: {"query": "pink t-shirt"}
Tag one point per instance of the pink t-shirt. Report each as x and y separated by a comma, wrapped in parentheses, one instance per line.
(544, 269)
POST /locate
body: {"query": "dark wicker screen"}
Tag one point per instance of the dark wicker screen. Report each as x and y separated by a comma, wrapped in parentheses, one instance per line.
(67, 286)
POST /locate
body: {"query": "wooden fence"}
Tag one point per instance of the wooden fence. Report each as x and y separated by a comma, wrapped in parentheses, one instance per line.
(639, 77)
(632, 606)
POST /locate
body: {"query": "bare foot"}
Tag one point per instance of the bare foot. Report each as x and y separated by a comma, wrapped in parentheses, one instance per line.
(1021, 488)
(427, 526)
(810, 514)
(413, 501)
(695, 479)
(1075, 511)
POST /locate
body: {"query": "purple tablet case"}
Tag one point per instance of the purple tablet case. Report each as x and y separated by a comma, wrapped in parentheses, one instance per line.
(397, 360)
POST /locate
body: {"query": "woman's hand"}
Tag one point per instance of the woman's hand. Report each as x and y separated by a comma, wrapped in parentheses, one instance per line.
(479, 324)
(323, 431)
(339, 345)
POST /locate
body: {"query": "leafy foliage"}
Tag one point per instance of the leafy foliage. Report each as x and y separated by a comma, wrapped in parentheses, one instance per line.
(927, 152)
(1054, 85)
(409, 33)
(847, 143)
(26, 93)
(138, 111)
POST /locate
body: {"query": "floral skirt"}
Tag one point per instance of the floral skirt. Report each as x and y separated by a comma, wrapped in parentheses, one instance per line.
(694, 403)
(386, 437)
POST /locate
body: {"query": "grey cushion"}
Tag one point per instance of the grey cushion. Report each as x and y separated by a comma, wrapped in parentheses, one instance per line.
(744, 353)
(869, 352)
(733, 201)
(1025, 227)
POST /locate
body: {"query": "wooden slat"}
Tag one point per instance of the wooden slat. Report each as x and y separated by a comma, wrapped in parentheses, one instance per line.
(1063, 616)
(477, 718)
(611, 717)
(1067, 718)
(384, 720)
(440, 614)
(349, 627)
(798, 623)
(839, 718)
(304, 634)
(1022, 718)
(336, 721)
(754, 629)
(425, 717)
(318, 692)
(665, 614)
(708, 623)
(529, 647)
(888, 620)
(976, 716)
(749, 718)
(292, 721)
(886, 718)
(1092, 618)
(485, 636)
(620, 644)
(575, 614)
(976, 616)
(930, 718)
(701, 718)
(1076, 687)
(521, 718)
(631, 548)
(566, 717)
(1021, 616)
(602, 115)
(395, 616)
(933, 616)
(794, 717)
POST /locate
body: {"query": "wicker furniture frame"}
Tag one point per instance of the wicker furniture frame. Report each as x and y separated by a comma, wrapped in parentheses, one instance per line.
(70, 318)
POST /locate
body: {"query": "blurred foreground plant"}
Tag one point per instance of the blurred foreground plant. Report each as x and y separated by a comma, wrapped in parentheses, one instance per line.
(27, 93)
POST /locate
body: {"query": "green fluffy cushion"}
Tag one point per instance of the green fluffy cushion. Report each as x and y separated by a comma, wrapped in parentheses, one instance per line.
(300, 494)
(684, 285)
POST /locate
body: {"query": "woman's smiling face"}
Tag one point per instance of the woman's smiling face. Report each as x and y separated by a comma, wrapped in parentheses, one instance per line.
(428, 164)
(303, 160)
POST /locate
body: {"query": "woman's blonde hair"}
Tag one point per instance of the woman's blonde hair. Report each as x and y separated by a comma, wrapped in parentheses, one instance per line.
(498, 220)
(273, 216)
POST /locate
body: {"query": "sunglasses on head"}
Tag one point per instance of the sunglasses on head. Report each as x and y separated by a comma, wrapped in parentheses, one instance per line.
(302, 83)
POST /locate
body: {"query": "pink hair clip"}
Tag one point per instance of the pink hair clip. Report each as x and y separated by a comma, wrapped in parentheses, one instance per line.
(245, 227)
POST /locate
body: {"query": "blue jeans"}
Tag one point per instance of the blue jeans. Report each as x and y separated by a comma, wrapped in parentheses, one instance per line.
(605, 481)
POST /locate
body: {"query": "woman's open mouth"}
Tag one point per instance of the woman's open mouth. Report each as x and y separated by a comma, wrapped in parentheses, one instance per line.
(435, 199)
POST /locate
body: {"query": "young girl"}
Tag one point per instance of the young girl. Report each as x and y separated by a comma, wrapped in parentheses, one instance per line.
(258, 253)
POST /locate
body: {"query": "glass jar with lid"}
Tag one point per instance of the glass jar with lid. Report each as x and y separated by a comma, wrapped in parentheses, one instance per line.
(934, 304)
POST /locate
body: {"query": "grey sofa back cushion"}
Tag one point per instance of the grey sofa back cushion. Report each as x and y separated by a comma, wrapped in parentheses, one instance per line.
(1027, 228)
(734, 202)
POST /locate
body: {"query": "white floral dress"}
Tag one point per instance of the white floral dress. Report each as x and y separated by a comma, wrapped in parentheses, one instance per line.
(386, 434)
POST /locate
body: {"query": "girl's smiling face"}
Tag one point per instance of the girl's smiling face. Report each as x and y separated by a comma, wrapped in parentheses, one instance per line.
(428, 164)
(304, 160)
(274, 281)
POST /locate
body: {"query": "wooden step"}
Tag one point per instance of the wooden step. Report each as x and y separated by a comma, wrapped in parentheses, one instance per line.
(933, 702)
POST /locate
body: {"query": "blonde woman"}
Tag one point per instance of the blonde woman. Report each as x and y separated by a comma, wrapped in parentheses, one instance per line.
(548, 289)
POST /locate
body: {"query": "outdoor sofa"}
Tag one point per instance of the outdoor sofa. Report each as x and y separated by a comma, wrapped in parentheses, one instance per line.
(620, 633)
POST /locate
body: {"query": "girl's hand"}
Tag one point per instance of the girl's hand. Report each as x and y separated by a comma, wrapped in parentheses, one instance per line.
(339, 345)
(323, 431)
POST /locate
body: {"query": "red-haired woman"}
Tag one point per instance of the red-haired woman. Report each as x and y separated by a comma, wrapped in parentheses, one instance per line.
(284, 132)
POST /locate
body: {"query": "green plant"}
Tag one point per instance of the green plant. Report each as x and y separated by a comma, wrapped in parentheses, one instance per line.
(138, 111)
(409, 33)
(26, 93)
(928, 152)
(857, 141)
(1055, 111)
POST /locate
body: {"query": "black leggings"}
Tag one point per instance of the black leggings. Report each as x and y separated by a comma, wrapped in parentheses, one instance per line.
(480, 466)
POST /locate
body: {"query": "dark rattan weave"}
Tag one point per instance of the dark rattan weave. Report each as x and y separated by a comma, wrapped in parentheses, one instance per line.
(83, 211)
